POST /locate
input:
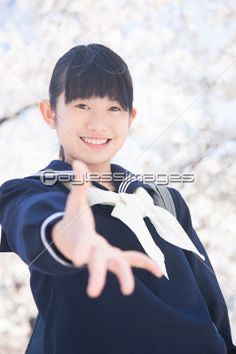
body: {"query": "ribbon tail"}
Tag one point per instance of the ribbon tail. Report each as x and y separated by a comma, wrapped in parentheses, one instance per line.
(171, 231)
(136, 223)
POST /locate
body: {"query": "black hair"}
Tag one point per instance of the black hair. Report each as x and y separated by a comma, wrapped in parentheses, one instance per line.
(91, 70)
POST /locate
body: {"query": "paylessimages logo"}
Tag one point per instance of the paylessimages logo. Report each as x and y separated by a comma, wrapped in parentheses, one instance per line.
(50, 177)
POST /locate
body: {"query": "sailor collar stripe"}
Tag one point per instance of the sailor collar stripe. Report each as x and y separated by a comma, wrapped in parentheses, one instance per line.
(126, 182)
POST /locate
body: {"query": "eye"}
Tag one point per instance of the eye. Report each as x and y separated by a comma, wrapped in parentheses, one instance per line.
(115, 109)
(82, 106)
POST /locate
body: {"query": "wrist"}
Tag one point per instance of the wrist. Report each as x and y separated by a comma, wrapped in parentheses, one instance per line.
(55, 237)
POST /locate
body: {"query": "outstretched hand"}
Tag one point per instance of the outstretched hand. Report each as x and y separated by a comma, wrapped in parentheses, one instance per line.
(75, 237)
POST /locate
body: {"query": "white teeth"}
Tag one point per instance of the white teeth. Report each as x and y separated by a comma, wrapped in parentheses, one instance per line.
(94, 141)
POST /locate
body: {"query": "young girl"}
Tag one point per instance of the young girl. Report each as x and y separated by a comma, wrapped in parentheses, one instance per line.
(79, 254)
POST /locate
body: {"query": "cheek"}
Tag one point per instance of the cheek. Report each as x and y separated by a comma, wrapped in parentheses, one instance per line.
(65, 135)
(121, 135)
(66, 127)
(121, 124)
(124, 129)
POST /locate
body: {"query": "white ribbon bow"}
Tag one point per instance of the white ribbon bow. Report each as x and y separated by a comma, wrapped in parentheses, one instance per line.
(132, 208)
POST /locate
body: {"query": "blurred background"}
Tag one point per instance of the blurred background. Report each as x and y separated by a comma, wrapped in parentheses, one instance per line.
(182, 57)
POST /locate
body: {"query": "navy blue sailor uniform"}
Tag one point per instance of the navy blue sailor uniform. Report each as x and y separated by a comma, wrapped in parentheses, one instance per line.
(185, 314)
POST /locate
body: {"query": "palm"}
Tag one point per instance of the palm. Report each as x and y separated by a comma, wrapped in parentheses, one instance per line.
(85, 246)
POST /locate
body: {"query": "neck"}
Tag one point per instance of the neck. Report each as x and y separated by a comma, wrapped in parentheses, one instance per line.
(105, 168)
(105, 175)
(102, 173)
(93, 167)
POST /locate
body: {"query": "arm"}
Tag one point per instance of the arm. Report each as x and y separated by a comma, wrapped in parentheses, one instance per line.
(204, 274)
(26, 216)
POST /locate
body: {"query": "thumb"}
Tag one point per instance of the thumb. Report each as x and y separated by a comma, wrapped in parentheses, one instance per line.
(80, 184)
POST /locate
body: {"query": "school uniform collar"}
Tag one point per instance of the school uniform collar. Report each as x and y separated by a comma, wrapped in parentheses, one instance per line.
(125, 181)
(131, 205)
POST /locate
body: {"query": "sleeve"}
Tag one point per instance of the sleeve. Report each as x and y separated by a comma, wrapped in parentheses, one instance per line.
(46, 237)
(27, 215)
(204, 274)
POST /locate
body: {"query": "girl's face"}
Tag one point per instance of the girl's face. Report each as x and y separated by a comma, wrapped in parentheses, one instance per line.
(91, 129)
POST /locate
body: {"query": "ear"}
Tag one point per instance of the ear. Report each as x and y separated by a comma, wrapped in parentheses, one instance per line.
(48, 114)
(132, 116)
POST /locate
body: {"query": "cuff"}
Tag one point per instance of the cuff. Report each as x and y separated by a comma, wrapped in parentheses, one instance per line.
(46, 237)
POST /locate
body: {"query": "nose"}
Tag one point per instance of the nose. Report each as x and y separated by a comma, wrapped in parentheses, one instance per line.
(97, 124)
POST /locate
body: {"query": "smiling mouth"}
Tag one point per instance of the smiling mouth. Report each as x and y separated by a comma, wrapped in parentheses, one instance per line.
(95, 142)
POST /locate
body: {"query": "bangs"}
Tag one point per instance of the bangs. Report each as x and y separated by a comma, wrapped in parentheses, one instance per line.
(98, 73)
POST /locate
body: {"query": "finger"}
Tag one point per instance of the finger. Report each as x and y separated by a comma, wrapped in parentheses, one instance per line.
(140, 260)
(97, 272)
(118, 265)
(82, 251)
(80, 184)
(77, 202)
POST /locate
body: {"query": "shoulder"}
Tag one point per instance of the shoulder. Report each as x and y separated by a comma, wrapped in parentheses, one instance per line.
(35, 182)
(25, 184)
(20, 188)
